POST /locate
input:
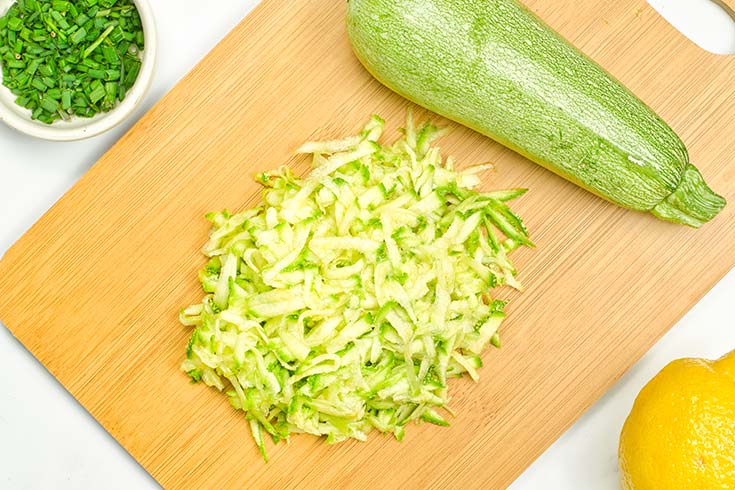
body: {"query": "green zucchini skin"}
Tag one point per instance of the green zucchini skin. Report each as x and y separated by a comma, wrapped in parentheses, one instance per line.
(495, 67)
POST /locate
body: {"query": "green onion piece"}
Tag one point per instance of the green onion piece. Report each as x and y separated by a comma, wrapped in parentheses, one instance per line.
(15, 24)
(117, 35)
(39, 85)
(110, 55)
(54, 93)
(49, 105)
(33, 66)
(90, 63)
(110, 95)
(133, 68)
(45, 70)
(78, 36)
(99, 74)
(99, 40)
(22, 78)
(66, 99)
(98, 91)
(61, 5)
(60, 20)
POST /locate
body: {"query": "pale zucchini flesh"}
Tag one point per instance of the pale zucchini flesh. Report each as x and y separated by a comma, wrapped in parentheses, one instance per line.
(495, 67)
(345, 300)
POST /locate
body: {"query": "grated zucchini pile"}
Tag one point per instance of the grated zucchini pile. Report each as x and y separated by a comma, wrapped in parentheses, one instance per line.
(348, 298)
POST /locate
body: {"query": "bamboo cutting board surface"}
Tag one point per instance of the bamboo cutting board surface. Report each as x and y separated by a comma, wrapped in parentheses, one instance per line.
(94, 288)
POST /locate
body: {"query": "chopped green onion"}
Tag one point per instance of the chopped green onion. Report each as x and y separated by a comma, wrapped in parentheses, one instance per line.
(46, 70)
(98, 91)
(110, 54)
(99, 40)
(53, 51)
(15, 24)
(38, 84)
(33, 66)
(60, 21)
(54, 93)
(49, 105)
(66, 99)
(61, 5)
(110, 95)
(78, 36)
(112, 74)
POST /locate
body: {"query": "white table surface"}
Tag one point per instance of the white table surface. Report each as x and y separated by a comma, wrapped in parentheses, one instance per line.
(48, 441)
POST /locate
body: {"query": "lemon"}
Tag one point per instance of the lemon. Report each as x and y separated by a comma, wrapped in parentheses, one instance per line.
(680, 434)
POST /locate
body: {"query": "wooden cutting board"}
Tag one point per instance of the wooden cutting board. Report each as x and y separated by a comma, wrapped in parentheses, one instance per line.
(94, 288)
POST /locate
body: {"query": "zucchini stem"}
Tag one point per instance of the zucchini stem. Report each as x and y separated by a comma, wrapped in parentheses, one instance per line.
(693, 203)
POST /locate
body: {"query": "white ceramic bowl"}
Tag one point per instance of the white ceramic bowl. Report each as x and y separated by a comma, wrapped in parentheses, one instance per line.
(77, 128)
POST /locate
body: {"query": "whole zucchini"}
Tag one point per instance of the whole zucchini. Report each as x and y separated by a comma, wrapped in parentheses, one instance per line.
(495, 67)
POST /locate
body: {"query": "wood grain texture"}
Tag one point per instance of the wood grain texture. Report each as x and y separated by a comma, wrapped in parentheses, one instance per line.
(93, 289)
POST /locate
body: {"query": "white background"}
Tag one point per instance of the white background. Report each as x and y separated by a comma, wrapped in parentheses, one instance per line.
(48, 441)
